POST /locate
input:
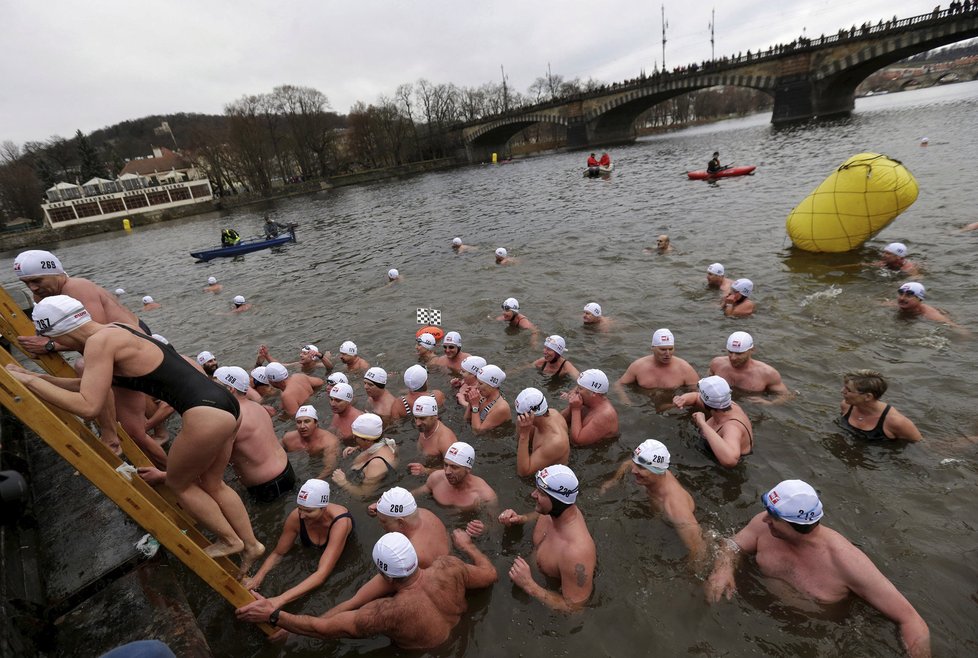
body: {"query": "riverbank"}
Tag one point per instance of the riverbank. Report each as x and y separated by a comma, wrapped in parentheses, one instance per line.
(47, 236)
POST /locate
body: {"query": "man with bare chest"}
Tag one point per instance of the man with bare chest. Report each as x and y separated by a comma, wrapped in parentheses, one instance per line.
(455, 485)
(563, 546)
(344, 413)
(542, 436)
(311, 438)
(296, 388)
(434, 437)
(661, 369)
(379, 399)
(790, 545)
(742, 371)
(398, 511)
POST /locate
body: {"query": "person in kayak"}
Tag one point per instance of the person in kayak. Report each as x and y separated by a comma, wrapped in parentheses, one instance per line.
(592, 161)
(714, 165)
(605, 160)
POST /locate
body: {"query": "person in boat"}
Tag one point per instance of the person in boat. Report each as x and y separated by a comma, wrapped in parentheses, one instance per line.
(316, 523)
(121, 355)
(272, 228)
(605, 160)
(713, 166)
(229, 237)
(790, 545)
(592, 161)
(861, 405)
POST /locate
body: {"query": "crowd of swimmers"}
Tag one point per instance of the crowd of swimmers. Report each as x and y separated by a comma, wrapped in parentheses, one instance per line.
(417, 595)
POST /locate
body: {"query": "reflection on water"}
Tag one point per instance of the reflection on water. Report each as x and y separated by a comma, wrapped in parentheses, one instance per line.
(582, 240)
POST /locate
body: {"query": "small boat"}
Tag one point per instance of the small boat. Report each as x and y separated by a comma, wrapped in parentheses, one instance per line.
(244, 247)
(702, 174)
(600, 170)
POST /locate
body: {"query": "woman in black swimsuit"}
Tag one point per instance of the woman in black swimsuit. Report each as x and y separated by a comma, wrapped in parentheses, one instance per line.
(118, 354)
(318, 524)
(866, 416)
(377, 457)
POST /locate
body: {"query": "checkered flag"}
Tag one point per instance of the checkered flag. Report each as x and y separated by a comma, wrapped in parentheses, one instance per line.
(430, 316)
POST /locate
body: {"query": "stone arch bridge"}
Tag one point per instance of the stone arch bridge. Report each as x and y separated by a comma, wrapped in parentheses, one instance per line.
(810, 79)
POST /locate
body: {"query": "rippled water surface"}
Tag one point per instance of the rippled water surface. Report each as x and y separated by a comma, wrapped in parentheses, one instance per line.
(579, 240)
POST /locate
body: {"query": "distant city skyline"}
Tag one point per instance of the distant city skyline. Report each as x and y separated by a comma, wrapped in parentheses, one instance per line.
(66, 68)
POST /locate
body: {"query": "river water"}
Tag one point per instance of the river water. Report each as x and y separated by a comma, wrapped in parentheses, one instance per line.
(579, 240)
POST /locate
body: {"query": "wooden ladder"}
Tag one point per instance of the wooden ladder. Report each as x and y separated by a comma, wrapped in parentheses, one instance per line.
(157, 513)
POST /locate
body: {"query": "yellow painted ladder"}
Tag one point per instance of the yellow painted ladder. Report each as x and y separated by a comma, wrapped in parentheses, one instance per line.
(76, 443)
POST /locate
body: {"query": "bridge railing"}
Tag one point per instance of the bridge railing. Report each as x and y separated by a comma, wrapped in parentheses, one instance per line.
(802, 44)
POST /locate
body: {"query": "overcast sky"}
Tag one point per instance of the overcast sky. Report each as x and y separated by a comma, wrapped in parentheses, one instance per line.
(67, 65)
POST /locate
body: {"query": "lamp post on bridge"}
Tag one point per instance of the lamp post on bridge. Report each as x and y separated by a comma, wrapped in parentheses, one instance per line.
(664, 26)
(713, 21)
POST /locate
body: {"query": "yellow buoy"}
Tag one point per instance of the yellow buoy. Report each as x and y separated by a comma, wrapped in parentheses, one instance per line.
(856, 202)
(126, 224)
(495, 158)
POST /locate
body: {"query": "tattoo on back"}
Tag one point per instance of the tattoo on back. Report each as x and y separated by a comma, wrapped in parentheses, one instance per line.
(581, 574)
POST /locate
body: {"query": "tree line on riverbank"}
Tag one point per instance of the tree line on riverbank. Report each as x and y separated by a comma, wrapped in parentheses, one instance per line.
(264, 142)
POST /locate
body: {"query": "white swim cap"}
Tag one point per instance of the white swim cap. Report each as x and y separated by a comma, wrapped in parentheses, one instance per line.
(914, 288)
(593, 308)
(349, 348)
(204, 357)
(415, 377)
(335, 378)
(258, 374)
(896, 248)
(309, 348)
(558, 482)
(342, 392)
(511, 304)
(314, 493)
(234, 377)
(794, 501)
(119, 292)
(715, 392)
(392, 274)
(593, 380)
(36, 262)
(427, 341)
(276, 372)
(376, 375)
(211, 280)
(473, 364)
(57, 315)
(160, 338)
(307, 411)
(457, 242)
(653, 456)
(425, 406)
(492, 375)
(148, 299)
(555, 343)
(739, 341)
(531, 400)
(398, 502)
(744, 286)
(461, 453)
(394, 556)
(716, 268)
(239, 300)
(501, 252)
(663, 338)
(452, 338)
(368, 426)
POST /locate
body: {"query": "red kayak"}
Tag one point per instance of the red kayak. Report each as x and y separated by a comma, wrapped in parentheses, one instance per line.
(702, 174)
